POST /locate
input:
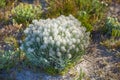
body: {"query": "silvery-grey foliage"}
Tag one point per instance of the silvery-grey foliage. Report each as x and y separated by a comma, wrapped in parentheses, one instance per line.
(55, 42)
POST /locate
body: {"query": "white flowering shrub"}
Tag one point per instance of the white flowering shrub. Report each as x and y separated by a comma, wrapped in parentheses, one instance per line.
(55, 42)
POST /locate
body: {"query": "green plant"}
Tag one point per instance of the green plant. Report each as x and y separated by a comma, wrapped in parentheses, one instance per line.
(11, 41)
(10, 34)
(2, 9)
(111, 43)
(25, 13)
(55, 43)
(112, 27)
(60, 7)
(84, 18)
(94, 10)
(5, 10)
(8, 59)
(82, 75)
(2, 3)
(90, 12)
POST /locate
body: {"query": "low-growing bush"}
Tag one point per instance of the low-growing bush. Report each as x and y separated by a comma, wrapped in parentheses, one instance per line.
(84, 18)
(94, 10)
(91, 12)
(112, 27)
(112, 43)
(10, 30)
(2, 3)
(61, 7)
(55, 43)
(8, 59)
(25, 13)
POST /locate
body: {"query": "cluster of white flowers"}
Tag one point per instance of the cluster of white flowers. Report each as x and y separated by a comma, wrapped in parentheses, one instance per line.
(52, 39)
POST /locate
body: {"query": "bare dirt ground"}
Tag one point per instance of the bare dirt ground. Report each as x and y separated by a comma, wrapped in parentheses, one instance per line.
(101, 64)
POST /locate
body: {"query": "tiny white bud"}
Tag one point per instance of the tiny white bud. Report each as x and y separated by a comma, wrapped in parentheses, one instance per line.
(69, 56)
(59, 54)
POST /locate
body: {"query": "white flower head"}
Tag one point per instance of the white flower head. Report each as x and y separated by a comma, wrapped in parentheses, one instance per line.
(34, 21)
(51, 52)
(27, 38)
(32, 39)
(28, 43)
(38, 39)
(78, 40)
(106, 4)
(77, 49)
(69, 56)
(63, 49)
(57, 49)
(43, 46)
(73, 46)
(31, 25)
(58, 43)
(73, 40)
(52, 42)
(50, 38)
(45, 60)
(59, 54)
(30, 50)
(64, 41)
